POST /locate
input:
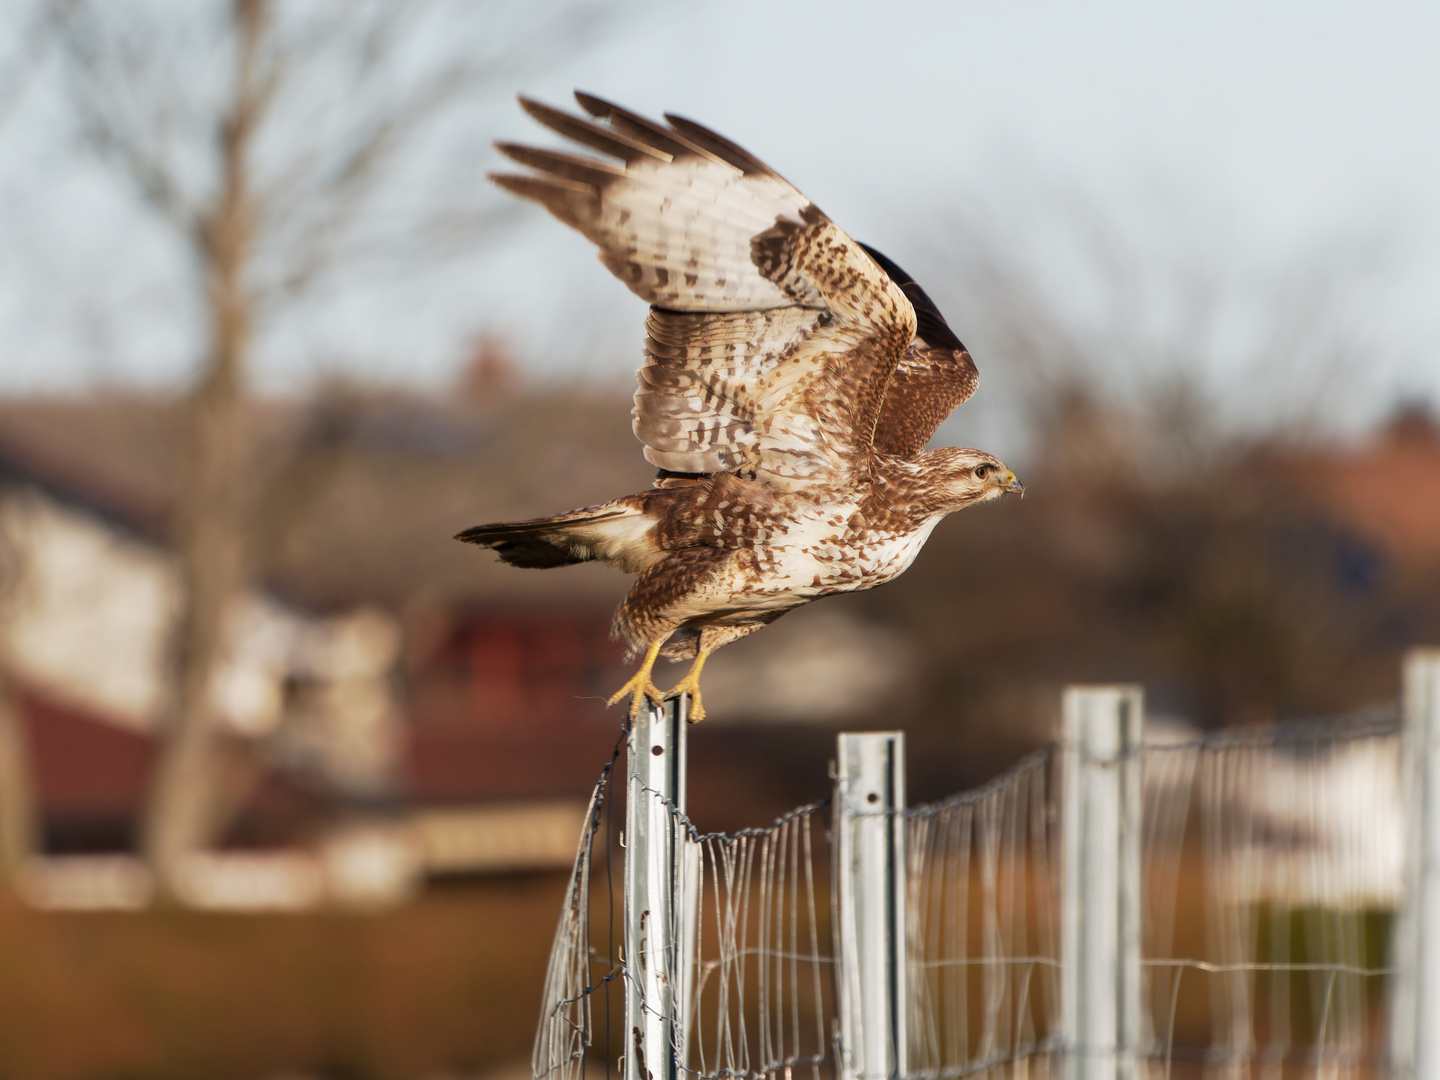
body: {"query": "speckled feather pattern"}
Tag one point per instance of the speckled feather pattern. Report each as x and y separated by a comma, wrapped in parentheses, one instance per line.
(785, 394)
(740, 554)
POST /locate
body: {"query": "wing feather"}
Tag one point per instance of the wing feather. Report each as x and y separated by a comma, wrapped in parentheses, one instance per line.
(588, 171)
(646, 131)
(934, 377)
(700, 394)
(605, 140)
(774, 336)
(721, 147)
(928, 385)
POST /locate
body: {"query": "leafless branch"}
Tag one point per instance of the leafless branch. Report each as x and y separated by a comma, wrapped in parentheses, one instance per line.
(106, 74)
(34, 42)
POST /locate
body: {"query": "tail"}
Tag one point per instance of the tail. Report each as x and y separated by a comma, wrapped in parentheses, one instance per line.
(619, 533)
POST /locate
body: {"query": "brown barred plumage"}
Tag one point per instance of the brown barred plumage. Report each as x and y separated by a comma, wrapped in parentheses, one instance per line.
(792, 378)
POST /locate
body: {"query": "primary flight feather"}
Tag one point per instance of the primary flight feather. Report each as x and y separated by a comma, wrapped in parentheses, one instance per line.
(792, 378)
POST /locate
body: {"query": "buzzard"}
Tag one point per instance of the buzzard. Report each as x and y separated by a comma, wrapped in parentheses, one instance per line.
(792, 378)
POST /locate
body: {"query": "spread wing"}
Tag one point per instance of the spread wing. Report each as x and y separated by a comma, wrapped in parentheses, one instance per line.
(934, 376)
(773, 336)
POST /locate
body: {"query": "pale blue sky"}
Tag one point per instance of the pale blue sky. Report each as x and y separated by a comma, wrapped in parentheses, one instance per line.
(1270, 131)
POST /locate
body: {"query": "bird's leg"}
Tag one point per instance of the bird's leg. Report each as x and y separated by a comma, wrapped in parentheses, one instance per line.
(640, 684)
(690, 684)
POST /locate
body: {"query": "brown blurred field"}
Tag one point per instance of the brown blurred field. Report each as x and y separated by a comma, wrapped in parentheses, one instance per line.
(447, 985)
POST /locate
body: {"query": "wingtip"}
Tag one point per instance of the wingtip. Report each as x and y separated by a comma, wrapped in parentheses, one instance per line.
(671, 141)
(595, 106)
(545, 114)
(539, 188)
(512, 150)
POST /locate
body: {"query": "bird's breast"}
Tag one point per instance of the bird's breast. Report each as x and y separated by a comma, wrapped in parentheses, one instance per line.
(822, 551)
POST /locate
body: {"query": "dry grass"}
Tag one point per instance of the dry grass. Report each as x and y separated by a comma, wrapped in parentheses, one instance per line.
(450, 983)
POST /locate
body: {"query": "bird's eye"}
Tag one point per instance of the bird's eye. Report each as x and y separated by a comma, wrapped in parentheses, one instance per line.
(982, 471)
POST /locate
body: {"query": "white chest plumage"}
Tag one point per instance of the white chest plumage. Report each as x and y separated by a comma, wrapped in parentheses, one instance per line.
(820, 551)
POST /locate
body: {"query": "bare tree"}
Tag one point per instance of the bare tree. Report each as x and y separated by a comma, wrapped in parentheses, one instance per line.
(274, 177)
(1157, 310)
(22, 57)
(19, 831)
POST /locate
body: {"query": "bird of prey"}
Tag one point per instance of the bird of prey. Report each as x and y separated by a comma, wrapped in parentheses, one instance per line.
(792, 378)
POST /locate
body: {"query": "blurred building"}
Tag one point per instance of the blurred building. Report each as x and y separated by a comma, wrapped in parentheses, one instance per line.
(1387, 490)
(370, 695)
(89, 604)
(384, 677)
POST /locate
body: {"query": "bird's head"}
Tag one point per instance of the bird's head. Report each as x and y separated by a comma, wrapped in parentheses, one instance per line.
(961, 477)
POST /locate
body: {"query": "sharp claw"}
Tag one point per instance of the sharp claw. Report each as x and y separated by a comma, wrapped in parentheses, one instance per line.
(690, 684)
(640, 683)
(633, 690)
(697, 709)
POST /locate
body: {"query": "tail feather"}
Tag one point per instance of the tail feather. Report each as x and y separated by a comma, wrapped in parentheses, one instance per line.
(618, 533)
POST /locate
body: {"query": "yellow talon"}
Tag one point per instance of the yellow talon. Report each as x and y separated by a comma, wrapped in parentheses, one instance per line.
(690, 684)
(640, 684)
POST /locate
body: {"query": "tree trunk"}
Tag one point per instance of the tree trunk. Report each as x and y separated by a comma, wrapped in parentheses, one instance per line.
(181, 817)
(19, 834)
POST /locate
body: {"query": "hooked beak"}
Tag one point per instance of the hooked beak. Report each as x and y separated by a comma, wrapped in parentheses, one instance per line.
(1012, 485)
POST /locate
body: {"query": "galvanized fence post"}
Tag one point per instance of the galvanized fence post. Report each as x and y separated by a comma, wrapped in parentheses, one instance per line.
(1101, 1003)
(869, 830)
(658, 893)
(1415, 1007)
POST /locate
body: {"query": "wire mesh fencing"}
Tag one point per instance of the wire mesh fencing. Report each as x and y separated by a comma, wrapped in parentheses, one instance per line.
(1227, 902)
(756, 969)
(983, 956)
(1273, 865)
(752, 965)
(579, 975)
(762, 971)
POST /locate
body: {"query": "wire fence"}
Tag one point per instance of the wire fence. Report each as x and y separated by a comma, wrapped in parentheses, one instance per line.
(1271, 865)
(756, 979)
(579, 975)
(763, 979)
(983, 956)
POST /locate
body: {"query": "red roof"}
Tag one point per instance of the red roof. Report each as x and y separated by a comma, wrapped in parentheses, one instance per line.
(1388, 491)
(84, 766)
(510, 703)
(92, 778)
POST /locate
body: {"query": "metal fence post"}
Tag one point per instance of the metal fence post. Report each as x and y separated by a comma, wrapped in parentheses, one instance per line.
(658, 892)
(1415, 1008)
(1100, 913)
(869, 829)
